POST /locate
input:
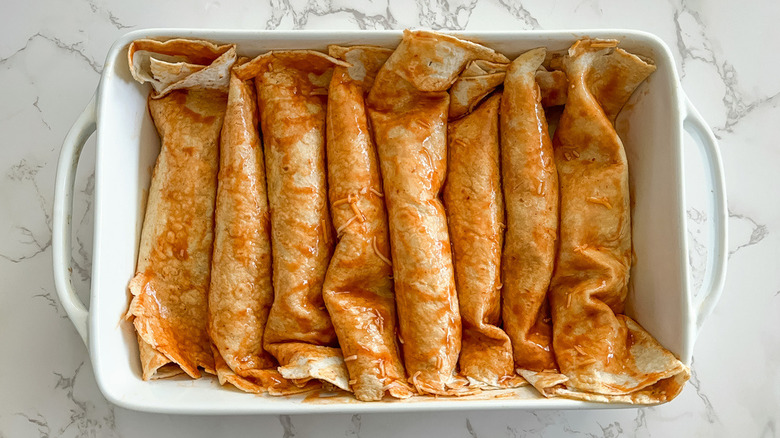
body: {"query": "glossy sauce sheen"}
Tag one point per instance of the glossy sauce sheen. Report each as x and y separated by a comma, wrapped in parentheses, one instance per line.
(408, 108)
(600, 350)
(531, 195)
(475, 212)
(171, 285)
(281, 295)
(358, 288)
(241, 292)
(291, 92)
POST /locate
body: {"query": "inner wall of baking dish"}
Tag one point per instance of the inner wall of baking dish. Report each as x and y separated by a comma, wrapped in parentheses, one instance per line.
(128, 145)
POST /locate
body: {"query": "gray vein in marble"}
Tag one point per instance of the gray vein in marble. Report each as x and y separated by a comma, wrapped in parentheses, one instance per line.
(108, 14)
(21, 172)
(80, 414)
(442, 14)
(697, 251)
(760, 231)
(518, 11)
(568, 429)
(72, 48)
(470, 429)
(612, 430)
(35, 104)
(282, 8)
(737, 106)
(289, 429)
(89, 196)
(40, 246)
(709, 410)
(640, 422)
(47, 297)
(583, 3)
(44, 431)
(354, 428)
(83, 266)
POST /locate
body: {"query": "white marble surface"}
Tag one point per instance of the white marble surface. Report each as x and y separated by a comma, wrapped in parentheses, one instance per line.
(51, 56)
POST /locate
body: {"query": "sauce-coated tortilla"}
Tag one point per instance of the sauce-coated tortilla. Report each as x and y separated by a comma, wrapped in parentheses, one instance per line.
(169, 304)
(603, 355)
(358, 289)
(241, 293)
(531, 197)
(292, 97)
(408, 107)
(475, 213)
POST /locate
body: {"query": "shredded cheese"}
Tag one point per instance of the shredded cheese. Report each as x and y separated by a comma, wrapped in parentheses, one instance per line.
(357, 211)
(338, 202)
(325, 232)
(380, 322)
(459, 142)
(378, 193)
(424, 123)
(414, 381)
(345, 225)
(428, 155)
(602, 44)
(581, 248)
(379, 254)
(353, 357)
(601, 200)
(579, 349)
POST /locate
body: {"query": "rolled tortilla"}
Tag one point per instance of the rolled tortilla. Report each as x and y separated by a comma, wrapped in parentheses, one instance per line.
(531, 197)
(358, 288)
(408, 107)
(475, 213)
(169, 289)
(479, 78)
(292, 95)
(603, 354)
(553, 86)
(241, 292)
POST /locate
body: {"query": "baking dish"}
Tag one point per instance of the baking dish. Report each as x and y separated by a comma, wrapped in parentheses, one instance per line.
(661, 296)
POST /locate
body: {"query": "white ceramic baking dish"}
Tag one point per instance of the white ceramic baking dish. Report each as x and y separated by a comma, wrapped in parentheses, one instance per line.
(661, 297)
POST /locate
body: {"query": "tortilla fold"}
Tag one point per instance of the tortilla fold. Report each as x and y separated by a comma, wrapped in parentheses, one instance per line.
(408, 108)
(292, 96)
(604, 355)
(358, 289)
(169, 289)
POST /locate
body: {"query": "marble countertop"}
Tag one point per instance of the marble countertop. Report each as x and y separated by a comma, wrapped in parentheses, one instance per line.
(51, 57)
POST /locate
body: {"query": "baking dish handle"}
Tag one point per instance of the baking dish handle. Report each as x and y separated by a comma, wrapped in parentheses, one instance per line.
(715, 273)
(79, 133)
